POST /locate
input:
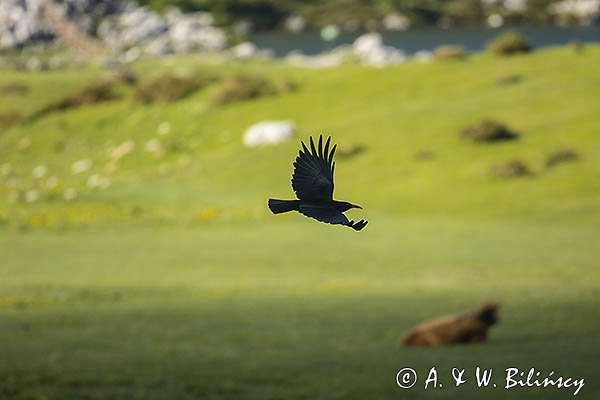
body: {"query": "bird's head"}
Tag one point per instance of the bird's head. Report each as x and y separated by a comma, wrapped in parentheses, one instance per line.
(345, 206)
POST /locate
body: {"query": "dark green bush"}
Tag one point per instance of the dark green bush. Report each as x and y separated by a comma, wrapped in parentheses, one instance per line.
(350, 150)
(243, 87)
(510, 169)
(94, 93)
(444, 53)
(488, 131)
(125, 77)
(509, 43)
(17, 89)
(561, 156)
(508, 79)
(168, 88)
(9, 118)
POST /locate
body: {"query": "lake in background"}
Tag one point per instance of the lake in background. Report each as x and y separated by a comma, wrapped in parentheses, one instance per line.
(413, 40)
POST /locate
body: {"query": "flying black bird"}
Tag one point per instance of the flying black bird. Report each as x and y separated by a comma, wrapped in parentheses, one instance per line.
(313, 183)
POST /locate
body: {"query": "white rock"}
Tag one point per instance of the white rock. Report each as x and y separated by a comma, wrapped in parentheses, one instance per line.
(366, 43)
(32, 195)
(268, 133)
(155, 147)
(122, 150)
(39, 171)
(295, 23)
(515, 6)
(98, 181)
(369, 49)
(81, 166)
(581, 9)
(163, 128)
(51, 182)
(244, 50)
(495, 21)
(423, 56)
(131, 55)
(396, 22)
(160, 46)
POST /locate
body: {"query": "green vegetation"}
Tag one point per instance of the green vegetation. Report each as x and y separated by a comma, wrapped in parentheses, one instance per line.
(140, 260)
(242, 87)
(450, 53)
(93, 93)
(509, 43)
(510, 169)
(488, 131)
(560, 156)
(168, 88)
(268, 14)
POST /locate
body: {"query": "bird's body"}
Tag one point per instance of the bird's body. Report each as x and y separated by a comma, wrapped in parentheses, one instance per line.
(313, 183)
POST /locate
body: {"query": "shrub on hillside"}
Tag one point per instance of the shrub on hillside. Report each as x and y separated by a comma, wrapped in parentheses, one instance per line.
(350, 150)
(508, 79)
(561, 156)
(9, 118)
(488, 131)
(243, 87)
(16, 89)
(444, 53)
(94, 93)
(510, 169)
(509, 43)
(576, 46)
(168, 88)
(125, 76)
(287, 85)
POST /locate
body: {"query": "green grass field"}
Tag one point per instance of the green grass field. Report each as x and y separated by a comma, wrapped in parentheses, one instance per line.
(175, 282)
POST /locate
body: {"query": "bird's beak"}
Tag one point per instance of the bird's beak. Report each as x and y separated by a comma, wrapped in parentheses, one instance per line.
(355, 206)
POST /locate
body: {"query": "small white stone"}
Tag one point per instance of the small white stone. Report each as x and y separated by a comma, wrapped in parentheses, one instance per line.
(51, 182)
(123, 149)
(396, 22)
(268, 133)
(495, 20)
(155, 147)
(244, 50)
(32, 195)
(163, 128)
(39, 171)
(81, 166)
(423, 56)
(295, 23)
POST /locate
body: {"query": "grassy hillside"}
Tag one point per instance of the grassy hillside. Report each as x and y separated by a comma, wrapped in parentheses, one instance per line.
(395, 113)
(174, 281)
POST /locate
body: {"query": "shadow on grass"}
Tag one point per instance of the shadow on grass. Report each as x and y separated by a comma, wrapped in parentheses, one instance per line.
(174, 343)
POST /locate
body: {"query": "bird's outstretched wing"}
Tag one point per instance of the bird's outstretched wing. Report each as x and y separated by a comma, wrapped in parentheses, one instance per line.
(330, 215)
(313, 172)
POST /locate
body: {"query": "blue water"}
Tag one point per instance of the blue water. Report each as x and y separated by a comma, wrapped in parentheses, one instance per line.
(413, 40)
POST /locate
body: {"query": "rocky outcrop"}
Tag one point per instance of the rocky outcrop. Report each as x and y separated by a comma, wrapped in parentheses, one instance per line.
(120, 25)
(370, 50)
(155, 34)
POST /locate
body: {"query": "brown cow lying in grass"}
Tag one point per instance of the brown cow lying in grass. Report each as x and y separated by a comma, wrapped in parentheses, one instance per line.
(452, 329)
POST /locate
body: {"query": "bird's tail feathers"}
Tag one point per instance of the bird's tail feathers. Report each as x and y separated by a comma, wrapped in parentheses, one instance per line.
(281, 206)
